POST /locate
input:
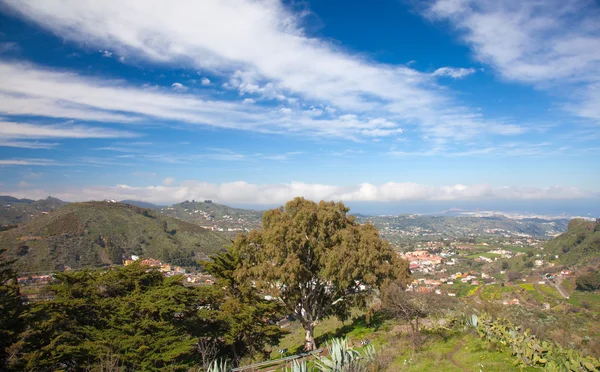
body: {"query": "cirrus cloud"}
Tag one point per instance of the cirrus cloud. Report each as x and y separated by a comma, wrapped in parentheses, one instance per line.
(261, 49)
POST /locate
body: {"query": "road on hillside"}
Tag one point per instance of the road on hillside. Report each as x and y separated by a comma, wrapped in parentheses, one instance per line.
(556, 284)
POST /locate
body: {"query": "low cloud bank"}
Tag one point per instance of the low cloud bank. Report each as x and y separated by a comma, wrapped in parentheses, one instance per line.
(241, 192)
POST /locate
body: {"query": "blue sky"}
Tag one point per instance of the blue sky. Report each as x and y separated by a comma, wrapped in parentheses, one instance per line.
(256, 102)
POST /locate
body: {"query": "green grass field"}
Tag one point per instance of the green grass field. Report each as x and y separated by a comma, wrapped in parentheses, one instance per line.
(569, 285)
(585, 299)
(462, 352)
(484, 254)
(446, 350)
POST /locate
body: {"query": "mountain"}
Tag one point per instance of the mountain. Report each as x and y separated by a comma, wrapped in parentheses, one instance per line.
(215, 216)
(580, 244)
(103, 233)
(15, 211)
(140, 204)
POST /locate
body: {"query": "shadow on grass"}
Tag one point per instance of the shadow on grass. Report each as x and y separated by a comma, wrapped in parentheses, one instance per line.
(356, 330)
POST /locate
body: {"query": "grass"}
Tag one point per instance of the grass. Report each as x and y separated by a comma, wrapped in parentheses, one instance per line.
(443, 350)
(516, 248)
(483, 254)
(355, 329)
(549, 292)
(494, 292)
(569, 284)
(460, 352)
(580, 298)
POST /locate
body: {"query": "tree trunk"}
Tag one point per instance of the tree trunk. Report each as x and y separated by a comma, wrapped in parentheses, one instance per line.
(309, 338)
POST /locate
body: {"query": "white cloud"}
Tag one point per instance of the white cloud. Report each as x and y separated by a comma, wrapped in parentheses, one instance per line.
(179, 87)
(28, 144)
(284, 156)
(454, 73)
(248, 101)
(14, 130)
(588, 104)
(32, 175)
(551, 44)
(43, 162)
(244, 192)
(205, 81)
(144, 174)
(29, 90)
(20, 135)
(313, 111)
(168, 181)
(24, 184)
(265, 50)
(106, 53)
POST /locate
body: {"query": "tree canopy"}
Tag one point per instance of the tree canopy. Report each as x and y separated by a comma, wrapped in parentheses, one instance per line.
(134, 318)
(317, 260)
(10, 308)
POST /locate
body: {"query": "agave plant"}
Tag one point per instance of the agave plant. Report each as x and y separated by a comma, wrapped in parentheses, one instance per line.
(342, 358)
(218, 365)
(473, 321)
(298, 367)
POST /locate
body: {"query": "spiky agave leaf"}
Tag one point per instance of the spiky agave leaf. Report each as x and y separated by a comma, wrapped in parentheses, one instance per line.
(218, 365)
(298, 367)
(341, 357)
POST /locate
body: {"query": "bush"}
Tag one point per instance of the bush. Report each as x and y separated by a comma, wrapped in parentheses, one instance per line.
(589, 281)
(513, 275)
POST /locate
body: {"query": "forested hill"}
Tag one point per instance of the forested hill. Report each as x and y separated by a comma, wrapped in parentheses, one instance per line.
(580, 244)
(16, 211)
(99, 233)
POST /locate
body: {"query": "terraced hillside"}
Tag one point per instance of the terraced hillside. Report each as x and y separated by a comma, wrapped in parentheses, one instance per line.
(103, 233)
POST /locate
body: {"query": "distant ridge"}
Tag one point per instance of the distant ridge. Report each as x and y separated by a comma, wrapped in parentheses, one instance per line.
(16, 211)
(141, 204)
(10, 199)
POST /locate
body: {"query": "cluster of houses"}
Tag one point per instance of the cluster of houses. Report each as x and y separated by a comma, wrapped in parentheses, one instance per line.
(166, 268)
(219, 228)
(422, 261)
(34, 279)
(424, 285)
(171, 270)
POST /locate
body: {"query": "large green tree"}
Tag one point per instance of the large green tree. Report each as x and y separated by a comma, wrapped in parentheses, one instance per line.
(317, 260)
(251, 321)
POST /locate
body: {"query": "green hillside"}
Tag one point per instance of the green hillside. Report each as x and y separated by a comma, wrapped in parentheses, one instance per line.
(100, 233)
(579, 244)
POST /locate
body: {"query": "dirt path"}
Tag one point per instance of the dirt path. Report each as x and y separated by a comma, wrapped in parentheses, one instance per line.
(561, 291)
(450, 356)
